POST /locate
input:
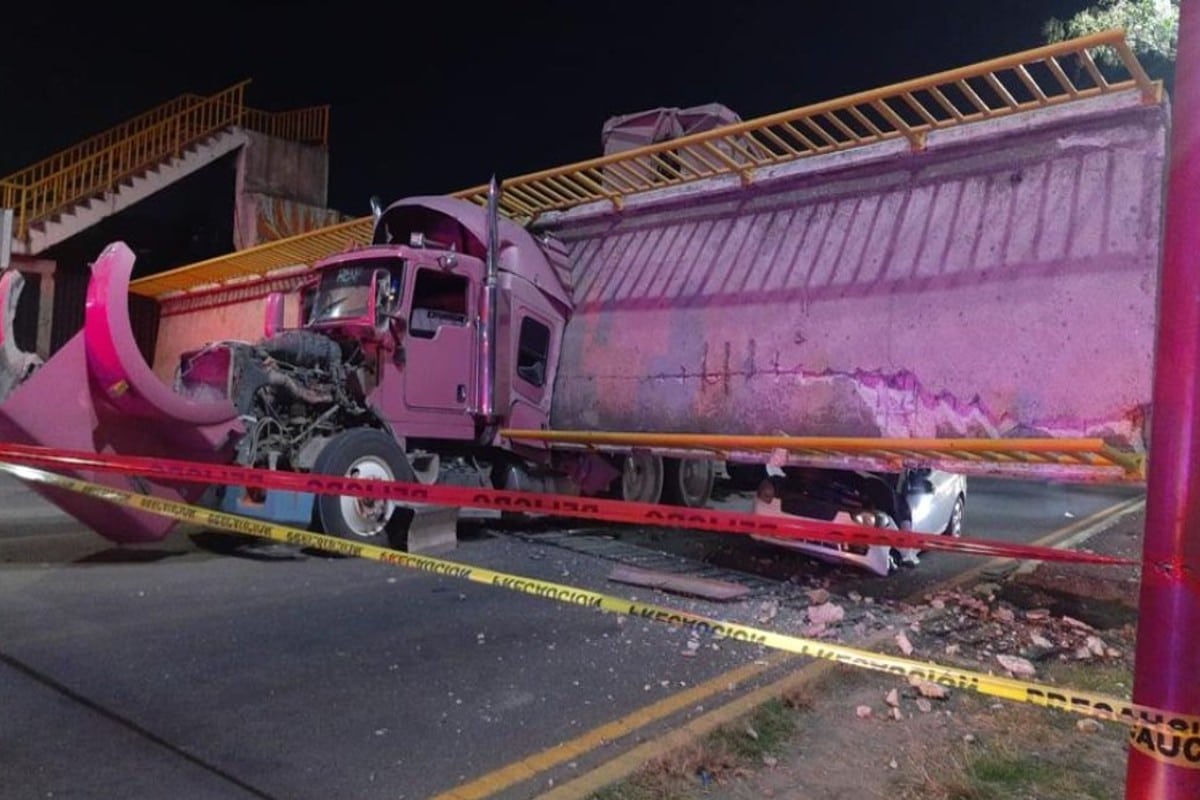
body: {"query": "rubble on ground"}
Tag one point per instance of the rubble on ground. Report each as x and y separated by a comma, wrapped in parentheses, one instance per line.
(977, 626)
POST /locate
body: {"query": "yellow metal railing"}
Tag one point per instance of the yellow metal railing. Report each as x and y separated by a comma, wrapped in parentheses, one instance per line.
(1025, 81)
(308, 125)
(99, 163)
(94, 144)
(257, 261)
(1034, 79)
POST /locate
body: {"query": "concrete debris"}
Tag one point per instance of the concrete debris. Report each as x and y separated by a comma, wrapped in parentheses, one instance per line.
(924, 705)
(929, 688)
(896, 714)
(893, 698)
(1089, 725)
(826, 614)
(863, 712)
(904, 644)
(819, 597)
(1018, 666)
(1041, 641)
(982, 630)
(1075, 623)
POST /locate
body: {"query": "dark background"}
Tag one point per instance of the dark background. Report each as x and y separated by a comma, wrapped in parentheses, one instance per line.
(434, 98)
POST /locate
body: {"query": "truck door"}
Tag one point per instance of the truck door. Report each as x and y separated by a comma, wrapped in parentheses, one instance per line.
(439, 347)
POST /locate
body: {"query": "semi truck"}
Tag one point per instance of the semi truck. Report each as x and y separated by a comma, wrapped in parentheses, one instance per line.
(420, 353)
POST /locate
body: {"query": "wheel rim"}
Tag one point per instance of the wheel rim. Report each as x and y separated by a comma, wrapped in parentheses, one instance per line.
(639, 478)
(693, 477)
(365, 517)
(693, 481)
(956, 519)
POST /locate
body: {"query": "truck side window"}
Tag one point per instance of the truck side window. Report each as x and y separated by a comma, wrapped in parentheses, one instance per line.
(439, 298)
(533, 349)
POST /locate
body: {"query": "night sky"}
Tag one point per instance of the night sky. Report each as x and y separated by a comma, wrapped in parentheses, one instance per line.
(435, 98)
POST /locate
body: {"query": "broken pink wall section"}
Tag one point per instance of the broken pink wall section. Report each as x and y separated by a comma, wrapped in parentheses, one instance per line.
(1001, 282)
(190, 321)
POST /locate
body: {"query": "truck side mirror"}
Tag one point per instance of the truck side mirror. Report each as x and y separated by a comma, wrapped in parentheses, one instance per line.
(381, 283)
(273, 322)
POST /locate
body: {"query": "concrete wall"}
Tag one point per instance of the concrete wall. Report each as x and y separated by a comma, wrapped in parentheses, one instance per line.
(281, 168)
(260, 218)
(1001, 282)
(281, 190)
(189, 322)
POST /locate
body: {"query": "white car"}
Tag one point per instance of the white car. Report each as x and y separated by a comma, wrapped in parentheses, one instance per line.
(932, 500)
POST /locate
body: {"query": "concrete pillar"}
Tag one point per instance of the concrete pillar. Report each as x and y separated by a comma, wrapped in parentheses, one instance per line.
(44, 269)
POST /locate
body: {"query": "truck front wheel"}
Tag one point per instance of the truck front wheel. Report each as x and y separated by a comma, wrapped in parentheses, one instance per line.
(363, 454)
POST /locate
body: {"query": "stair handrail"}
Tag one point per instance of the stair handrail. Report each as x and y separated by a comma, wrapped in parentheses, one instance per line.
(304, 125)
(1036, 79)
(55, 162)
(103, 169)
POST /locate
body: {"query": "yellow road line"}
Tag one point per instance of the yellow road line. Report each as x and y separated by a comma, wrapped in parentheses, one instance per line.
(629, 762)
(526, 768)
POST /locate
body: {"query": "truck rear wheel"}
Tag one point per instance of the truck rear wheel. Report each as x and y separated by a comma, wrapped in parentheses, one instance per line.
(688, 482)
(364, 454)
(642, 478)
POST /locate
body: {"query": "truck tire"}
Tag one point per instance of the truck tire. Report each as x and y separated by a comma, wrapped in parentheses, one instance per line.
(366, 454)
(641, 478)
(688, 482)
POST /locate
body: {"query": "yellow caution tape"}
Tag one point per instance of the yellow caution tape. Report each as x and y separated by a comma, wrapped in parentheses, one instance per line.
(1163, 735)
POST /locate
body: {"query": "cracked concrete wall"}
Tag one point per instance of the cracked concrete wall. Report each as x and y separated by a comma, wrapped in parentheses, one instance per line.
(1002, 282)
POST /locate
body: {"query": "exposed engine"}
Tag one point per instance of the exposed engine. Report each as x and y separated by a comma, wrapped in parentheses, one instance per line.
(293, 391)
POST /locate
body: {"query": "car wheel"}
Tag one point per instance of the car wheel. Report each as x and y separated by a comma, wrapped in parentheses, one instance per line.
(954, 526)
(364, 454)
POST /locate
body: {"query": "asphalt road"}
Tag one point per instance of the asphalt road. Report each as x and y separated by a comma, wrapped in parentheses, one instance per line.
(174, 669)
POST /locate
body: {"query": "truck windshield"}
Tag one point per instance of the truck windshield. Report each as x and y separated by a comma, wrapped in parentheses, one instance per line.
(345, 292)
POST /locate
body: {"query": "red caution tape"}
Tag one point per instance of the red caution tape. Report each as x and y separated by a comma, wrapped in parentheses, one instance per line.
(177, 471)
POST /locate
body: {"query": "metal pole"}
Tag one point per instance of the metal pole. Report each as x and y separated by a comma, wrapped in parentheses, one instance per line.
(6, 236)
(488, 323)
(1166, 766)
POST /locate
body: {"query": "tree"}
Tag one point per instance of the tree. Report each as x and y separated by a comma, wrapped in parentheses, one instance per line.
(1151, 27)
